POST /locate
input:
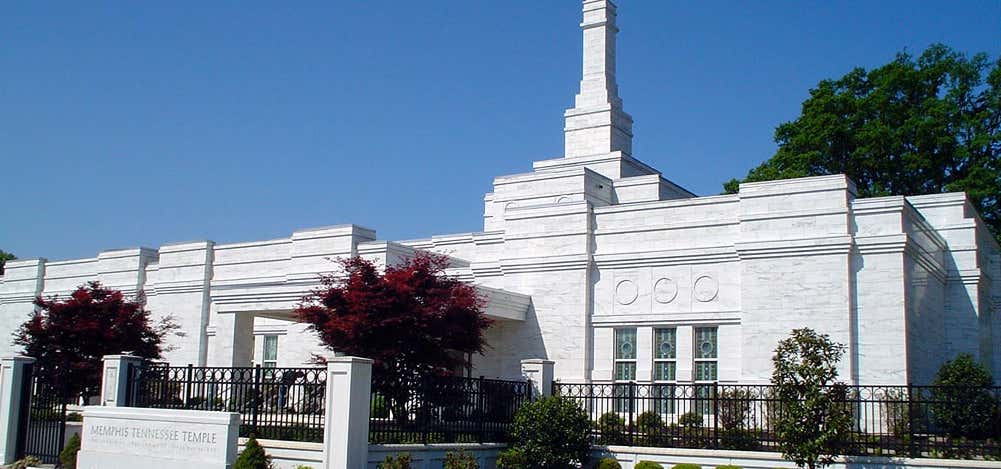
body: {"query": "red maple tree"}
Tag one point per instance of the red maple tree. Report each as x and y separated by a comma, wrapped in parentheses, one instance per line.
(413, 320)
(68, 337)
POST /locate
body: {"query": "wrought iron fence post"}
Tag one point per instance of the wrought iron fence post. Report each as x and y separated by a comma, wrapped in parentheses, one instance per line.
(482, 411)
(911, 443)
(257, 399)
(187, 385)
(422, 409)
(165, 388)
(632, 404)
(62, 427)
(716, 415)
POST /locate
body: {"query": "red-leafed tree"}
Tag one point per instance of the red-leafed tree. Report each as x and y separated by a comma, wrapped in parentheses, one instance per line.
(412, 319)
(68, 337)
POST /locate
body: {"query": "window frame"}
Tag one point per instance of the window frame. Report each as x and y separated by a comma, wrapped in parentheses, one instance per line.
(621, 386)
(265, 361)
(664, 402)
(704, 387)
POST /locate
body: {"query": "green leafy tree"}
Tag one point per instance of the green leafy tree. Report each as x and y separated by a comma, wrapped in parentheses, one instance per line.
(963, 403)
(914, 126)
(4, 257)
(549, 433)
(815, 421)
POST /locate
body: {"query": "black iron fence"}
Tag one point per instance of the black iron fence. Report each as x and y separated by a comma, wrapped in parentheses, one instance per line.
(44, 432)
(444, 409)
(900, 421)
(274, 403)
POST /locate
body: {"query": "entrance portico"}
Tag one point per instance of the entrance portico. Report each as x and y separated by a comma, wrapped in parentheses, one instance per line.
(235, 324)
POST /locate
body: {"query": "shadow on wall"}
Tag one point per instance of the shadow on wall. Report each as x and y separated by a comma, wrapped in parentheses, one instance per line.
(508, 343)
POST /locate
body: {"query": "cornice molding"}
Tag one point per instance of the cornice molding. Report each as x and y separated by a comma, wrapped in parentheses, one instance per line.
(666, 258)
(834, 245)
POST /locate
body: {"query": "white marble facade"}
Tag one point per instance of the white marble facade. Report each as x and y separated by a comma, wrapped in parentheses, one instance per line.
(597, 241)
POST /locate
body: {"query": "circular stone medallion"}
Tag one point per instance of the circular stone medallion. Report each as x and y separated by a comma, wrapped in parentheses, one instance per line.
(665, 290)
(706, 288)
(626, 292)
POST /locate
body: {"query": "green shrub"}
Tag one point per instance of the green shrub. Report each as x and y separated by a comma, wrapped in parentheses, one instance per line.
(815, 423)
(690, 419)
(74, 417)
(400, 461)
(648, 465)
(548, 433)
(739, 439)
(460, 460)
(648, 421)
(29, 461)
(964, 406)
(512, 458)
(686, 466)
(67, 457)
(734, 408)
(612, 429)
(727, 467)
(608, 463)
(253, 456)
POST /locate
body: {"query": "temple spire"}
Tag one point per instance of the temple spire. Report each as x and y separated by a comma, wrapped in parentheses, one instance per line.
(597, 124)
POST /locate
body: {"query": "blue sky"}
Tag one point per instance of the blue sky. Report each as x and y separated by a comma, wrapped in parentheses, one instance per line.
(138, 123)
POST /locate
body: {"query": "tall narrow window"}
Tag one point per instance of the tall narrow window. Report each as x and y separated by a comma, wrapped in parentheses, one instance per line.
(270, 352)
(664, 369)
(625, 365)
(706, 366)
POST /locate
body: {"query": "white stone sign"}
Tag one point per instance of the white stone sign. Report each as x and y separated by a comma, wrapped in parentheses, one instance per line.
(123, 437)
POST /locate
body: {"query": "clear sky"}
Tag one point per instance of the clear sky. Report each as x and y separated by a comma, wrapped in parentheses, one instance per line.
(129, 124)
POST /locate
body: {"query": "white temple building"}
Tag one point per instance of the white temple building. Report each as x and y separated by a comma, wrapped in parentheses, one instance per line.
(598, 262)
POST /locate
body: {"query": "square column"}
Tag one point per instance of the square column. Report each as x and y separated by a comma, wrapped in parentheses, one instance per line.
(233, 344)
(115, 378)
(15, 374)
(539, 373)
(349, 392)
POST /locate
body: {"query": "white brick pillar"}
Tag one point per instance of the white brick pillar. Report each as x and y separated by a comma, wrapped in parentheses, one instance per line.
(115, 377)
(14, 372)
(345, 436)
(540, 373)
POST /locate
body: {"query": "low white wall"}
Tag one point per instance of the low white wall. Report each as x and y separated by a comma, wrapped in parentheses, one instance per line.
(709, 459)
(291, 454)
(72, 428)
(431, 456)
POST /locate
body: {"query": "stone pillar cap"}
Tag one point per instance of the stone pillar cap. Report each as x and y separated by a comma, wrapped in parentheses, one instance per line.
(357, 360)
(18, 358)
(537, 361)
(121, 356)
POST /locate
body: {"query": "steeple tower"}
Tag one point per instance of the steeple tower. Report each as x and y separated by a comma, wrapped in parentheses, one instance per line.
(597, 124)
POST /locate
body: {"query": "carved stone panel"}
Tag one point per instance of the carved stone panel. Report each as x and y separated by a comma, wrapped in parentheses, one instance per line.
(705, 289)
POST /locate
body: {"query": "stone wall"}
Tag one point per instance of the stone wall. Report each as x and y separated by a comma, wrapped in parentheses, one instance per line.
(628, 456)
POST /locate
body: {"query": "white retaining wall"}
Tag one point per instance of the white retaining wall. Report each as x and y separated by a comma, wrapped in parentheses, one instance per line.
(709, 459)
(291, 454)
(431, 456)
